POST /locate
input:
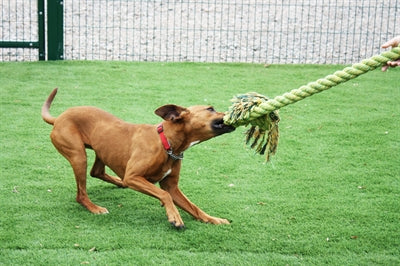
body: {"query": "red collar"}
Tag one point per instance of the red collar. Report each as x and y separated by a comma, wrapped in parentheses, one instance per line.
(165, 142)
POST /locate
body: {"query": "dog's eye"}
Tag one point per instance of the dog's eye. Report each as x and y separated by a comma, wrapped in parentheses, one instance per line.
(211, 109)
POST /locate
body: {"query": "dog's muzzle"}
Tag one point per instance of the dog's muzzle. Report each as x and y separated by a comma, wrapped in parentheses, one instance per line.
(220, 128)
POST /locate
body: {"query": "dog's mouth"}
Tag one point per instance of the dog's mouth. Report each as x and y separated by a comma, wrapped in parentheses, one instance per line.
(219, 127)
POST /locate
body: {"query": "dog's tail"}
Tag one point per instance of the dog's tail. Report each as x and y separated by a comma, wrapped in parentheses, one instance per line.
(47, 117)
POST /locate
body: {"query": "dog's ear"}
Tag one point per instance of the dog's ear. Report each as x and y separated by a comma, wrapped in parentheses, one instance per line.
(170, 112)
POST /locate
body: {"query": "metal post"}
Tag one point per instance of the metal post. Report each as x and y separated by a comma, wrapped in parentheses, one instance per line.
(55, 27)
(41, 31)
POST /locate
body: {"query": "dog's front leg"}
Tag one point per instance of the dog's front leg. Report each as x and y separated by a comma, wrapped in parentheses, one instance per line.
(170, 185)
(140, 184)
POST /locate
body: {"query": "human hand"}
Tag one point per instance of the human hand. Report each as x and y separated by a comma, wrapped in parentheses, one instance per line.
(392, 43)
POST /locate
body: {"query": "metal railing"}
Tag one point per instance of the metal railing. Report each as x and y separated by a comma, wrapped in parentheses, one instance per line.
(22, 28)
(256, 31)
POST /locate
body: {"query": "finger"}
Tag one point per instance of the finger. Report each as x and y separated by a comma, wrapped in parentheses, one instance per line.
(391, 64)
(394, 63)
(393, 42)
(388, 44)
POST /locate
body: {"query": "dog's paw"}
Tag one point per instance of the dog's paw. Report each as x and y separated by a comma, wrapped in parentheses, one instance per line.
(93, 208)
(216, 220)
(100, 210)
(177, 223)
(179, 227)
(174, 218)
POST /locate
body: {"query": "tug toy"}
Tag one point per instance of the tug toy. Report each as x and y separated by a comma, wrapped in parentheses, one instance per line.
(262, 113)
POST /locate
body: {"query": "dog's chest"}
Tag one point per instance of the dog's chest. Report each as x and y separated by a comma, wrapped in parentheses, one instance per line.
(165, 174)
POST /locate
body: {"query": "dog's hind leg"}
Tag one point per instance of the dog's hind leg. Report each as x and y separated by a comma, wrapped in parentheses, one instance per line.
(79, 167)
(98, 171)
(73, 149)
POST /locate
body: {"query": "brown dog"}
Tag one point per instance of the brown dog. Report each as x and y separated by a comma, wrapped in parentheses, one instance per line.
(141, 155)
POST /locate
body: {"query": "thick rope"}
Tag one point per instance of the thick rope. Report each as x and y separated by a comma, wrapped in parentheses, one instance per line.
(258, 110)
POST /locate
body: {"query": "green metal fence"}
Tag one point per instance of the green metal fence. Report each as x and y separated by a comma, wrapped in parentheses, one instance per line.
(55, 29)
(22, 29)
(256, 31)
(253, 31)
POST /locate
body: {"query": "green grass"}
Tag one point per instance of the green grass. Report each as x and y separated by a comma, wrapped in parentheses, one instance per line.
(330, 196)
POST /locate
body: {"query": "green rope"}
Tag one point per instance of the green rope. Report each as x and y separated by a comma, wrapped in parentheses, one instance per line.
(261, 112)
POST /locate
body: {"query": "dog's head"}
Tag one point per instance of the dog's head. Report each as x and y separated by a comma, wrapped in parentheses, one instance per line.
(201, 122)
